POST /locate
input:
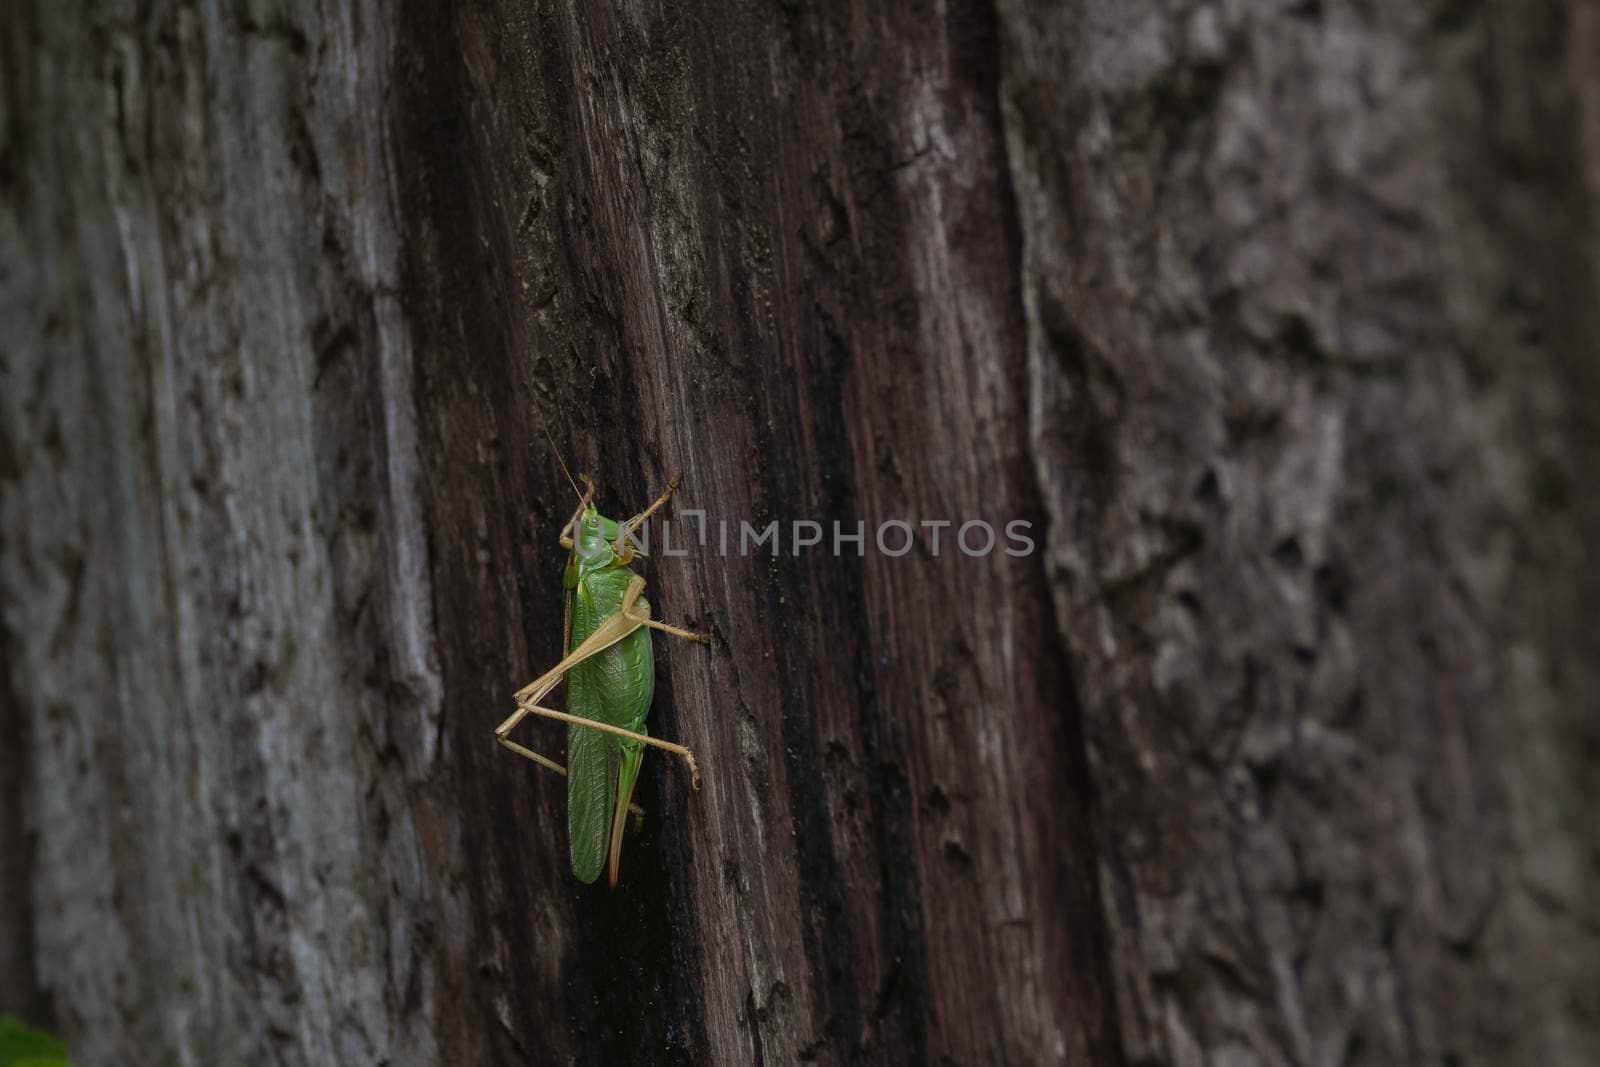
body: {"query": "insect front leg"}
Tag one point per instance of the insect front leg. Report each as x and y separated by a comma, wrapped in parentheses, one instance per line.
(625, 550)
(666, 495)
(572, 524)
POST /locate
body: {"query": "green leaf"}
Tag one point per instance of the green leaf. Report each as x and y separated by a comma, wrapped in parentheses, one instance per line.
(21, 1046)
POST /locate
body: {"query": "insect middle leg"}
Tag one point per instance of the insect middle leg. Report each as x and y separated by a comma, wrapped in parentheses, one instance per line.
(687, 635)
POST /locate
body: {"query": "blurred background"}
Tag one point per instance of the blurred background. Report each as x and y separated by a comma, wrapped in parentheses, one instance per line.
(1275, 322)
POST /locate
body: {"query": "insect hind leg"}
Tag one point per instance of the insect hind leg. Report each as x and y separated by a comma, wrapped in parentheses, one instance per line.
(548, 763)
(531, 708)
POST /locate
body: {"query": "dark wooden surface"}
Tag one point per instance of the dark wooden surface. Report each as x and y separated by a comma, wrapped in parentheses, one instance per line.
(1276, 325)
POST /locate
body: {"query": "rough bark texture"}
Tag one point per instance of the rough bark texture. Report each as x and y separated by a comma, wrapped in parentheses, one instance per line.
(1313, 363)
(1275, 319)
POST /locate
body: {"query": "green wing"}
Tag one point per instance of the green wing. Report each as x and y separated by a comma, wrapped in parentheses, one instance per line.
(614, 686)
(592, 763)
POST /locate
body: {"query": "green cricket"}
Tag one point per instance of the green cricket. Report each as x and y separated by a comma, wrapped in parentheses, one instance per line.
(609, 668)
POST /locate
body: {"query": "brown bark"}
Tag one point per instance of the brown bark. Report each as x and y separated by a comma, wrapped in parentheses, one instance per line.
(1275, 321)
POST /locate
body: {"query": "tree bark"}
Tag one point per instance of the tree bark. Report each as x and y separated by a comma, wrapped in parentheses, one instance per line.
(1276, 321)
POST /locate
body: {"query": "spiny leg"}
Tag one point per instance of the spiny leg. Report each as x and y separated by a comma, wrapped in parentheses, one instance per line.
(567, 529)
(666, 495)
(633, 523)
(572, 554)
(688, 635)
(601, 727)
(625, 549)
(566, 617)
(543, 761)
(546, 761)
(583, 502)
(608, 633)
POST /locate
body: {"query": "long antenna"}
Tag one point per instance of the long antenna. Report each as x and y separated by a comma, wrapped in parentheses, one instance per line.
(561, 461)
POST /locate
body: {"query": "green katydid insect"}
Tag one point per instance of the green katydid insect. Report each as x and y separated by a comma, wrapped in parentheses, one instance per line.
(609, 668)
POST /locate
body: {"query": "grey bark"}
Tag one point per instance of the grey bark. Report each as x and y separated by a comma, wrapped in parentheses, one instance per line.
(1276, 320)
(1314, 288)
